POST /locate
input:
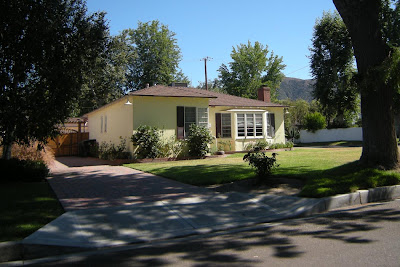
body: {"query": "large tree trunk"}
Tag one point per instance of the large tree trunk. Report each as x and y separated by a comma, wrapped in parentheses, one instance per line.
(6, 151)
(379, 137)
(8, 140)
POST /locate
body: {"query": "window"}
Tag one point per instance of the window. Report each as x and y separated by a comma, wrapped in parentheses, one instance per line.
(223, 125)
(249, 125)
(105, 124)
(190, 118)
(190, 115)
(270, 125)
(202, 117)
(101, 124)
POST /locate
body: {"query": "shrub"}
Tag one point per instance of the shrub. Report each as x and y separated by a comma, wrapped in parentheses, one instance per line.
(292, 133)
(147, 140)
(314, 122)
(171, 148)
(255, 146)
(261, 145)
(198, 140)
(262, 163)
(34, 151)
(224, 145)
(249, 146)
(16, 170)
(281, 145)
(109, 151)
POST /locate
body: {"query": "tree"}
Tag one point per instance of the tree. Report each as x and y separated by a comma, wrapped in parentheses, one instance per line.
(251, 67)
(377, 63)
(213, 85)
(44, 48)
(332, 69)
(106, 80)
(297, 111)
(157, 55)
(180, 77)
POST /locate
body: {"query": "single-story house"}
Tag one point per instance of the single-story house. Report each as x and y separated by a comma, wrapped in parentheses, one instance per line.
(173, 108)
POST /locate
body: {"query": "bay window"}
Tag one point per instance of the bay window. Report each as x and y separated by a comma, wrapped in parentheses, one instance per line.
(249, 125)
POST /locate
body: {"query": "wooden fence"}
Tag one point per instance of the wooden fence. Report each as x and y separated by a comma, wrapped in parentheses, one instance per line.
(67, 144)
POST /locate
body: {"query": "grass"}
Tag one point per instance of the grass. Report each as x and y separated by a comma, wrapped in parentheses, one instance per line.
(330, 144)
(199, 172)
(26, 207)
(325, 171)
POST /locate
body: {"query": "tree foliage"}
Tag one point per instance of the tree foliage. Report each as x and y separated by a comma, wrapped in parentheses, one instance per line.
(213, 85)
(314, 121)
(157, 55)
(390, 22)
(44, 48)
(106, 80)
(250, 68)
(332, 69)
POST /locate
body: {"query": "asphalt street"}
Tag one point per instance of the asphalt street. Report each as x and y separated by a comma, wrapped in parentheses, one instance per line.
(367, 235)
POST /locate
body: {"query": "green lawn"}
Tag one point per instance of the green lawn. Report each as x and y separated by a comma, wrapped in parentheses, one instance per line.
(326, 171)
(26, 207)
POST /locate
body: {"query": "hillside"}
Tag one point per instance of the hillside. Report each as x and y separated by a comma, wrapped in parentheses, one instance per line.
(294, 88)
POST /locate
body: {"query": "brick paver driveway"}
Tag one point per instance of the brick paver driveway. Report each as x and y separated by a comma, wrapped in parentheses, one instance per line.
(96, 185)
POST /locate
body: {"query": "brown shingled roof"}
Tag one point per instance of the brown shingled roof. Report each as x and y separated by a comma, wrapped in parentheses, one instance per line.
(161, 90)
(217, 99)
(231, 100)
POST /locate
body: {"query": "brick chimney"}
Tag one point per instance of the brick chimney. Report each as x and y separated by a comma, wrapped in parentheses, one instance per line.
(264, 94)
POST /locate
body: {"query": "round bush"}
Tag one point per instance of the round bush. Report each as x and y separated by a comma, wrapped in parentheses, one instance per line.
(314, 121)
(198, 140)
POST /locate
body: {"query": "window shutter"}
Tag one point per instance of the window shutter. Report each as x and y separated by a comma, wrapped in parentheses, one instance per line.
(180, 122)
(218, 130)
(271, 125)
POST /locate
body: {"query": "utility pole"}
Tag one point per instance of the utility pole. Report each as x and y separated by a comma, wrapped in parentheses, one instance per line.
(205, 68)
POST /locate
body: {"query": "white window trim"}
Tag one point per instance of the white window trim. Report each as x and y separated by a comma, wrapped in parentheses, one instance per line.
(264, 128)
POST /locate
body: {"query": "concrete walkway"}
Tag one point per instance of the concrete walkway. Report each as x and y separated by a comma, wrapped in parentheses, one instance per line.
(113, 205)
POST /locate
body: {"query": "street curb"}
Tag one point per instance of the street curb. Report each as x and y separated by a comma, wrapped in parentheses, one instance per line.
(18, 251)
(362, 197)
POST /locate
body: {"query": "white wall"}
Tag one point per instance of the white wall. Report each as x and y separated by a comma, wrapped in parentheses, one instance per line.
(331, 135)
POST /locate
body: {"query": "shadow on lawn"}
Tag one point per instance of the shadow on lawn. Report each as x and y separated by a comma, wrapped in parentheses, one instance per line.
(206, 174)
(236, 249)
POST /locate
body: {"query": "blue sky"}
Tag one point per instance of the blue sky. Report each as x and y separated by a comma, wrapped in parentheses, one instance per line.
(211, 28)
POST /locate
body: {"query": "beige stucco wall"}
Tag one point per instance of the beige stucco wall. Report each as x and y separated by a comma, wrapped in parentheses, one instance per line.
(119, 123)
(239, 143)
(161, 111)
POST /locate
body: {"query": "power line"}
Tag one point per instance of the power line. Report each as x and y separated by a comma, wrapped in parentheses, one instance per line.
(297, 70)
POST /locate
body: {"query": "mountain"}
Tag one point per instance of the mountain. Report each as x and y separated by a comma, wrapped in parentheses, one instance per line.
(294, 88)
